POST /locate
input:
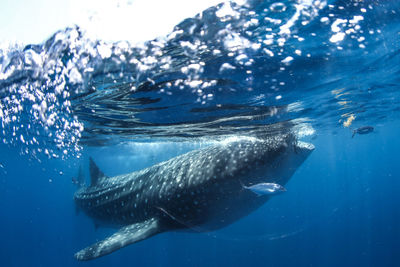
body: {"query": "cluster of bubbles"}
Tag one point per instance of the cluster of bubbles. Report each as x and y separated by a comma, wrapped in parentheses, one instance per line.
(239, 31)
(35, 86)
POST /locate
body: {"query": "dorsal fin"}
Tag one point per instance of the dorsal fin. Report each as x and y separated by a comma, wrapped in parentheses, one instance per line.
(95, 173)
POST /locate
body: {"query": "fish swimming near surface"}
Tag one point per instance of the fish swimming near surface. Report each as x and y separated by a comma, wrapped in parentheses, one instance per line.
(202, 189)
(363, 130)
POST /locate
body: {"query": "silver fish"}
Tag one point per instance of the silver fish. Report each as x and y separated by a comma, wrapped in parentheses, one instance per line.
(265, 189)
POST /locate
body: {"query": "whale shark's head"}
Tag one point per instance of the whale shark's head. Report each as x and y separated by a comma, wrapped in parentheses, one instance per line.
(271, 159)
(290, 154)
(239, 167)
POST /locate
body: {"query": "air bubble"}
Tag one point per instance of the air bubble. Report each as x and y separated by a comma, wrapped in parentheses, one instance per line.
(278, 7)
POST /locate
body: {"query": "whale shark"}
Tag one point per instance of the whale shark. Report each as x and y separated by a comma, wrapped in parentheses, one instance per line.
(202, 190)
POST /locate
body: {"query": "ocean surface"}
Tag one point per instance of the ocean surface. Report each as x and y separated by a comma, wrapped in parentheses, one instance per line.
(242, 68)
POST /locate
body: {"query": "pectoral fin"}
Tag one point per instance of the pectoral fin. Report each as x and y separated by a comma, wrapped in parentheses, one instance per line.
(125, 236)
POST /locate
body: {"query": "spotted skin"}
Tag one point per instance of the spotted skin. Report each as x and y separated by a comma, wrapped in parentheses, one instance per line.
(201, 189)
(125, 236)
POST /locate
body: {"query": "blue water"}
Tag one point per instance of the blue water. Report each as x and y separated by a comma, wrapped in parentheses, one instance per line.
(129, 107)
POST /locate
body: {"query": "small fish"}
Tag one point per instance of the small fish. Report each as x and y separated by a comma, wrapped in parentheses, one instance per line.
(265, 188)
(363, 130)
